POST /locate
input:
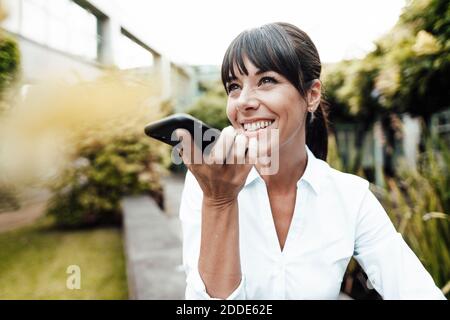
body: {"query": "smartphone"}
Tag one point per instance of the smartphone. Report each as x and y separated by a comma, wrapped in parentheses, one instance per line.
(162, 130)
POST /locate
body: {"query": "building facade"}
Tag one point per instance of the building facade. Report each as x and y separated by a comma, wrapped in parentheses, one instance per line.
(79, 38)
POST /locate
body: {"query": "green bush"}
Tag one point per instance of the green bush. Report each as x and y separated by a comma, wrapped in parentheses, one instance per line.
(9, 64)
(90, 190)
(9, 61)
(211, 106)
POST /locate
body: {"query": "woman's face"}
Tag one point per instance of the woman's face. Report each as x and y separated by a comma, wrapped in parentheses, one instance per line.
(270, 98)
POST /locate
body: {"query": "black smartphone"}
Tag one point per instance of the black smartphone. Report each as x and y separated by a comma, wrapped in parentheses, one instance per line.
(162, 130)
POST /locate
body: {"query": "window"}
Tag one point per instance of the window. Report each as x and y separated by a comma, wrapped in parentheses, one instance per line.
(132, 54)
(62, 25)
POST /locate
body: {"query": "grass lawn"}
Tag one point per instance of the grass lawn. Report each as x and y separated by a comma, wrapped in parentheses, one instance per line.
(34, 261)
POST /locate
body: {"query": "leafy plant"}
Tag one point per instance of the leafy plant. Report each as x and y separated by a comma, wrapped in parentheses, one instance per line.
(417, 202)
(90, 190)
(211, 106)
(9, 62)
(407, 72)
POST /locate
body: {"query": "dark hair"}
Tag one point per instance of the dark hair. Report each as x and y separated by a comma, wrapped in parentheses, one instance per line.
(287, 50)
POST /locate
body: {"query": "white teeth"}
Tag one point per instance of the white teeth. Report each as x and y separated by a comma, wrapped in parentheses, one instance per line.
(257, 125)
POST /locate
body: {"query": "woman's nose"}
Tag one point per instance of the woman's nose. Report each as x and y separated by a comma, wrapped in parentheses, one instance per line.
(247, 100)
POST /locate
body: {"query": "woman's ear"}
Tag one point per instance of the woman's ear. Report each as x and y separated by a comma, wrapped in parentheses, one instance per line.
(314, 95)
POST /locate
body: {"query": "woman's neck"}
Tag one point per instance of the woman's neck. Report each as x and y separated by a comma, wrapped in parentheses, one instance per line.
(292, 164)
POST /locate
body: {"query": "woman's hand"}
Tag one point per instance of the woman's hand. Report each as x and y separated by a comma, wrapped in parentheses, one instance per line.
(222, 173)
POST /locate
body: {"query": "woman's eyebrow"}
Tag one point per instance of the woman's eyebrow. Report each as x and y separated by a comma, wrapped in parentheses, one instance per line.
(257, 73)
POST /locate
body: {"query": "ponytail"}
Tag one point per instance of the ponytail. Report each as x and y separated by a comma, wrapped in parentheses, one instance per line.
(317, 131)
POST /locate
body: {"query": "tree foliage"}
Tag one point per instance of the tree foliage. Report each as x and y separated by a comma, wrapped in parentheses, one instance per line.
(409, 71)
(9, 61)
(211, 106)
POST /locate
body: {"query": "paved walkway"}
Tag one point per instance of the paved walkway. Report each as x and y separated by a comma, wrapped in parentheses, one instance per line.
(153, 245)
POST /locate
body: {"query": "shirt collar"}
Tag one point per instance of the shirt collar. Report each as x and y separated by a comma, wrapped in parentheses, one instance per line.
(313, 175)
(314, 172)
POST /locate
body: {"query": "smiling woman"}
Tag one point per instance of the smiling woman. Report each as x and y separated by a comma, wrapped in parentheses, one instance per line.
(289, 234)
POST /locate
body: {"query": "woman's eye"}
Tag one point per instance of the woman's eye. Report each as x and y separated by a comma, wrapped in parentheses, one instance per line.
(267, 80)
(232, 86)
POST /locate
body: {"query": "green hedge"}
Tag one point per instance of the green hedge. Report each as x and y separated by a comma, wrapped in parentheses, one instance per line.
(9, 65)
(211, 106)
(90, 190)
(9, 61)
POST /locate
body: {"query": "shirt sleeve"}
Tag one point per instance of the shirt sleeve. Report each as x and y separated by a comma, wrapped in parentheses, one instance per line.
(391, 266)
(190, 216)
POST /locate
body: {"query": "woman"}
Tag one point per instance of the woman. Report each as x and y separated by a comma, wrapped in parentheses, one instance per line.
(288, 234)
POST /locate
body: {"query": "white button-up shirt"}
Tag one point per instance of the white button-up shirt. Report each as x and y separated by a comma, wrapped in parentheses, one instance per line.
(336, 217)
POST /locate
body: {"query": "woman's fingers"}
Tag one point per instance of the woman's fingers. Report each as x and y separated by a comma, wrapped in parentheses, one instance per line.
(231, 147)
(223, 146)
(237, 152)
(252, 151)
